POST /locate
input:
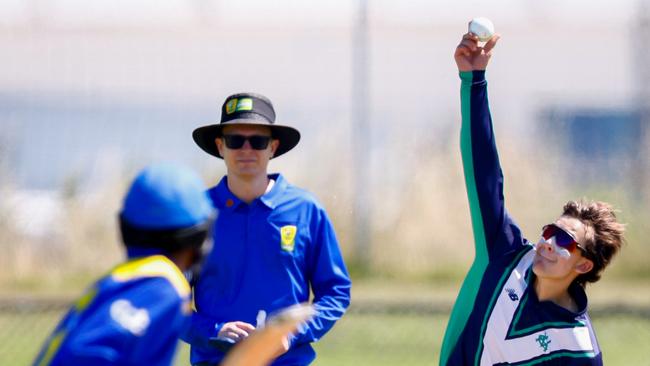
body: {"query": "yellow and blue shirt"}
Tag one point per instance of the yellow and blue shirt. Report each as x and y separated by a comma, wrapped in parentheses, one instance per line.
(268, 255)
(132, 316)
(497, 318)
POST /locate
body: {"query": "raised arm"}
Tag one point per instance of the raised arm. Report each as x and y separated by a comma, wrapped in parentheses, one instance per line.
(483, 177)
(494, 232)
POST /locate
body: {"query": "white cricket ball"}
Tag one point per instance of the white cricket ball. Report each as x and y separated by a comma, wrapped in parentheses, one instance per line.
(483, 28)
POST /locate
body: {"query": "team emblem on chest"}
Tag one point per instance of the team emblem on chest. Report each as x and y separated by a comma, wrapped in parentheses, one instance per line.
(288, 237)
(543, 340)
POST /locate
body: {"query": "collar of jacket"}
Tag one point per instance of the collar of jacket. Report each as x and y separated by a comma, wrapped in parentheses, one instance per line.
(224, 199)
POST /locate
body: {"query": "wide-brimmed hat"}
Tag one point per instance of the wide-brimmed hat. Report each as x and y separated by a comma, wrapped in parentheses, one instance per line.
(246, 109)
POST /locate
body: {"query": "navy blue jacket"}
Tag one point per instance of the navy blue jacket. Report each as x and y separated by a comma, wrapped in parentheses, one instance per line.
(497, 318)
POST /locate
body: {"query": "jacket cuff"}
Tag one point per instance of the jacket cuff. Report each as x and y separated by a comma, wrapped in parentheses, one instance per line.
(217, 328)
(475, 76)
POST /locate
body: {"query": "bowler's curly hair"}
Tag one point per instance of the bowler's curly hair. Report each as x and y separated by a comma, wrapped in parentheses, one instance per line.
(604, 234)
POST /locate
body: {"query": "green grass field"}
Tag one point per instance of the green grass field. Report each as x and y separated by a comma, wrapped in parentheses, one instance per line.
(357, 340)
(371, 335)
(416, 340)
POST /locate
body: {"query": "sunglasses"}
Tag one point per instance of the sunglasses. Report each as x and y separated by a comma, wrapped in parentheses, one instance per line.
(237, 141)
(562, 238)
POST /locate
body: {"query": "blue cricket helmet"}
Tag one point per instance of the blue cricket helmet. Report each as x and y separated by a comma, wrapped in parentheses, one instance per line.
(166, 209)
(166, 196)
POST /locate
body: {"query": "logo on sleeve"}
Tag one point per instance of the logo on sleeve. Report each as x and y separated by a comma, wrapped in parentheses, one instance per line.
(129, 317)
(288, 237)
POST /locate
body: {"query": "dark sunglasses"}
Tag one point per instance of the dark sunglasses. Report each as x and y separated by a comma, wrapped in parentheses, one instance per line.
(237, 141)
(562, 238)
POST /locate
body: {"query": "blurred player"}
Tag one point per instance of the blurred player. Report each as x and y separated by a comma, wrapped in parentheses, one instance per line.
(276, 243)
(522, 303)
(134, 315)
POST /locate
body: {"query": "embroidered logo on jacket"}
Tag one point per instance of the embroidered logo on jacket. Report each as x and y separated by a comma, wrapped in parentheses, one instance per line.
(288, 237)
(543, 341)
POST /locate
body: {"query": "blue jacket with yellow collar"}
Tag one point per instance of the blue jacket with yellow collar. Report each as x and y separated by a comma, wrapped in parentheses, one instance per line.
(132, 316)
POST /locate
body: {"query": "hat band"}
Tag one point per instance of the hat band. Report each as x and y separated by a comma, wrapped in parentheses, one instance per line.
(247, 115)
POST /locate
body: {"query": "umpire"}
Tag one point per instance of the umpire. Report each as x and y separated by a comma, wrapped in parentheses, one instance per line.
(276, 244)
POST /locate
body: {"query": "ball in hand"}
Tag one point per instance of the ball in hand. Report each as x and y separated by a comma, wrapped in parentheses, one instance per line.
(482, 28)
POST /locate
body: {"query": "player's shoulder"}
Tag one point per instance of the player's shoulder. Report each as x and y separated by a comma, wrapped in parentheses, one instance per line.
(153, 271)
(147, 307)
(162, 293)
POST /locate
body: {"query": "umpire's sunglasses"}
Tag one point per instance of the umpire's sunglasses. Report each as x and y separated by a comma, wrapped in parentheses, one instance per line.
(237, 141)
(562, 238)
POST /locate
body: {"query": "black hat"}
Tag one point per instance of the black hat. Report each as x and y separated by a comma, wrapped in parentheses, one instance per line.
(246, 109)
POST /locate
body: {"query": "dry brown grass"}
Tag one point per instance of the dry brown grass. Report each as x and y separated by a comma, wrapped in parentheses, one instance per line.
(84, 243)
(420, 227)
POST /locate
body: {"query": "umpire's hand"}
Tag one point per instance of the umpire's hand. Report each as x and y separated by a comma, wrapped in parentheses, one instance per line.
(236, 331)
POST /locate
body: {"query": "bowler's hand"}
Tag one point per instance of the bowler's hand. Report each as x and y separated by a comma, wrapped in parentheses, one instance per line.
(469, 56)
(236, 331)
